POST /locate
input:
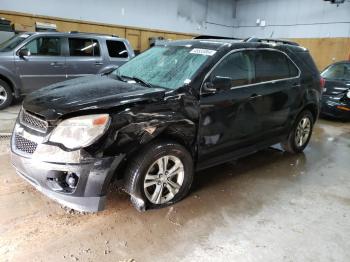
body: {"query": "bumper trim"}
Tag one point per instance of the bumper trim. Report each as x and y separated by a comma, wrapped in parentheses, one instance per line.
(94, 178)
(83, 204)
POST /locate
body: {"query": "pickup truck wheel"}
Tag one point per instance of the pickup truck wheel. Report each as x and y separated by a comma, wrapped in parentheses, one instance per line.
(159, 175)
(6, 95)
(300, 134)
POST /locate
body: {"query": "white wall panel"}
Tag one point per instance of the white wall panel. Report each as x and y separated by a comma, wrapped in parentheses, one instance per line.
(296, 18)
(189, 16)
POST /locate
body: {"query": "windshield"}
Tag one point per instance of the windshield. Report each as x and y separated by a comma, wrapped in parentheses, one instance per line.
(11, 43)
(168, 67)
(337, 72)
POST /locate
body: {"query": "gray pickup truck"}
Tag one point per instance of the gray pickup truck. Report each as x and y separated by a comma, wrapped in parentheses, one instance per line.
(29, 61)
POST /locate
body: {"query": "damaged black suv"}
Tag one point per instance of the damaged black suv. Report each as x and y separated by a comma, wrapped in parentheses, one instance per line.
(175, 109)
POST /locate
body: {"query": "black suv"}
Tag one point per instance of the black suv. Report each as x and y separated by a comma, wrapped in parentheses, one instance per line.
(153, 122)
(336, 92)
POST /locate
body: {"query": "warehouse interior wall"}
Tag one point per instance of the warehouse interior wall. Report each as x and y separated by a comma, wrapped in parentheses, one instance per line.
(322, 27)
(214, 17)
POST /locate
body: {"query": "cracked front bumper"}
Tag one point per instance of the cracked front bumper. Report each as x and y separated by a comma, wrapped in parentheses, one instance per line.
(91, 189)
(47, 168)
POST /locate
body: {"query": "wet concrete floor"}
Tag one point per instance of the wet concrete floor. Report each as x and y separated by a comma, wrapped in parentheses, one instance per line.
(270, 206)
(8, 118)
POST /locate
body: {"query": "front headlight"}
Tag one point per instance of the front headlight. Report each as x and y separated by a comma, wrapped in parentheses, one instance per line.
(80, 131)
(348, 94)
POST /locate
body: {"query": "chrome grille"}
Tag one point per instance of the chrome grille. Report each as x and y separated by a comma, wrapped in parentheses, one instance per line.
(33, 122)
(24, 145)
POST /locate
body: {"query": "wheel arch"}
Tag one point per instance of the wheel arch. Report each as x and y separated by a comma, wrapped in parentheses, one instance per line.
(182, 133)
(313, 108)
(11, 83)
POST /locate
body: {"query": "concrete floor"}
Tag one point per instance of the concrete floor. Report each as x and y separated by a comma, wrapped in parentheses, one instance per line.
(8, 117)
(270, 206)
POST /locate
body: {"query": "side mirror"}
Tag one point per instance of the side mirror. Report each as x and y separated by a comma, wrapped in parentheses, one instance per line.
(219, 83)
(222, 83)
(108, 70)
(23, 52)
(208, 87)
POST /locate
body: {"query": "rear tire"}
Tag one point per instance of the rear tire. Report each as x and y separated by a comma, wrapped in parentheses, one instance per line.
(6, 95)
(159, 175)
(300, 134)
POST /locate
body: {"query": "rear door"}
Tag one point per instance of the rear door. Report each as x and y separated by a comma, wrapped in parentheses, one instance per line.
(84, 57)
(45, 65)
(278, 81)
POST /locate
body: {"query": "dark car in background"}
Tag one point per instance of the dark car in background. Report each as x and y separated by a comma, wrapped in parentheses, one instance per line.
(336, 95)
(29, 61)
(172, 110)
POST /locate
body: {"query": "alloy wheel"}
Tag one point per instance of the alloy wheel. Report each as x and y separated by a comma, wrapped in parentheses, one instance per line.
(303, 131)
(3, 95)
(164, 179)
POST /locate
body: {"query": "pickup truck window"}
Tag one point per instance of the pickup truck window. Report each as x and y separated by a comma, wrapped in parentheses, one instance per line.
(83, 47)
(44, 46)
(168, 67)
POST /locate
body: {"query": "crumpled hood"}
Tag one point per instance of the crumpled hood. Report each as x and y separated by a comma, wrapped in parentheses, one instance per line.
(92, 92)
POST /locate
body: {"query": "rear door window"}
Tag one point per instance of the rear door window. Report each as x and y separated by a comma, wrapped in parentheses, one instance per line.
(83, 47)
(273, 65)
(238, 66)
(44, 46)
(117, 49)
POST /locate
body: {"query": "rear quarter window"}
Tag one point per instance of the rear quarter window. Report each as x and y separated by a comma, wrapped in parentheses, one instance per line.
(117, 49)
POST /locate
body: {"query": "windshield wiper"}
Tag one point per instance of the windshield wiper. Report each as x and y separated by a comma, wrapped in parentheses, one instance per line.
(119, 78)
(136, 79)
(139, 80)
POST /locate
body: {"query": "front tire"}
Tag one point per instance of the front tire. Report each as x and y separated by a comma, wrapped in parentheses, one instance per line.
(159, 175)
(6, 95)
(300, 134)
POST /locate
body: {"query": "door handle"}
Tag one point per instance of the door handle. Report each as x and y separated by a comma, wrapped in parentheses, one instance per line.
(98, 63)
(253, 96)
(56, 64)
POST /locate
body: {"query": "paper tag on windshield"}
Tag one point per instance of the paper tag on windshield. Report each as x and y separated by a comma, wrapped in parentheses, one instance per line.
(200, 51)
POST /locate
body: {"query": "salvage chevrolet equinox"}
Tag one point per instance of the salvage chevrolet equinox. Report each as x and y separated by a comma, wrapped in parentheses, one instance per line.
(174, 109)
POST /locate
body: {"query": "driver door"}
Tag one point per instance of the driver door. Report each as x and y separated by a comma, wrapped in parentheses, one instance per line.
(44, 66)
(230, 118)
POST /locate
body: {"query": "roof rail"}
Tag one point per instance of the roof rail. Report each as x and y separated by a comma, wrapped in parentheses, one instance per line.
(215, 37)
(270, 40)
(89, 33)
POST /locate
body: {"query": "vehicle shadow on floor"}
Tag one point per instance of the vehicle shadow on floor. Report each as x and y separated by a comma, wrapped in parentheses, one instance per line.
(266, 163)
(235, 185)
(334, 119)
